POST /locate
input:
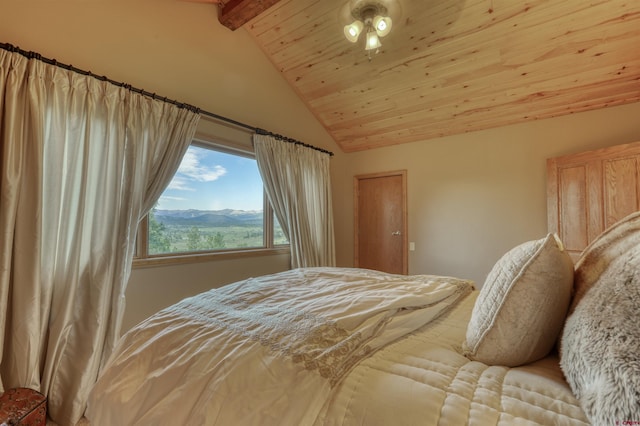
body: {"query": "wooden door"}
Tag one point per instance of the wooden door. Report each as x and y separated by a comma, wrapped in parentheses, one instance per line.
(381, 222)
(590, 191)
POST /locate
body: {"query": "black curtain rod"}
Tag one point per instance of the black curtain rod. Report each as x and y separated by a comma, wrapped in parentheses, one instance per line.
(33, 55)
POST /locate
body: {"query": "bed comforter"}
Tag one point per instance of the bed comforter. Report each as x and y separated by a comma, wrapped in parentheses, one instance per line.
(323, 346)
(268, 350)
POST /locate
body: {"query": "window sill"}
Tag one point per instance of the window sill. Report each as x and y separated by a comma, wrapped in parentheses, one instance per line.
(187, 258)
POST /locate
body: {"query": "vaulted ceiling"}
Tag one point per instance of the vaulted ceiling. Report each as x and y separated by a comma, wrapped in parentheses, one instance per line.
(451, 66)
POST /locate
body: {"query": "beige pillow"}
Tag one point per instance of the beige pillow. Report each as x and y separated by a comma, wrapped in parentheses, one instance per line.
(522, 306)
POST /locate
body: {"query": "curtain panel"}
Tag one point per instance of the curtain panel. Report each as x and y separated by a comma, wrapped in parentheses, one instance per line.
(82, 160)
(298, 184)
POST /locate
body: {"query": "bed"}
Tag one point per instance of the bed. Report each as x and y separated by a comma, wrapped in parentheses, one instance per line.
(543, 342)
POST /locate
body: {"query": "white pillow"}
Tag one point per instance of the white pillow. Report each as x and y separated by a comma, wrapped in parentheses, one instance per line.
(600, 347)
(522, 305)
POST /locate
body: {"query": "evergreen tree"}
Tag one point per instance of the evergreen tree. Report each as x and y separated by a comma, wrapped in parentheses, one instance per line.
(159, 241)
(194, 239)
(218, 241)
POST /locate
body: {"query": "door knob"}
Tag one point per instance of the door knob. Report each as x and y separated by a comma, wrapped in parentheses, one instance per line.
(396, 233)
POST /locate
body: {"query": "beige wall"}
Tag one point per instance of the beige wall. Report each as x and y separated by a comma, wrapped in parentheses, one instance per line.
(174, 48)
(471, 196)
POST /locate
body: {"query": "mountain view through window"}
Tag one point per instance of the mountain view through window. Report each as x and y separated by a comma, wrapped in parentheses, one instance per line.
(215, 201)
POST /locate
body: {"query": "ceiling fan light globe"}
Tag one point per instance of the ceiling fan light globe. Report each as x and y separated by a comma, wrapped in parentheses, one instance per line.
(373, 42)
(353, 30)
(382, 25)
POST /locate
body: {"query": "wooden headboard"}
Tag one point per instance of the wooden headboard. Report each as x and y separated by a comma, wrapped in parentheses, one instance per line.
(590, 191)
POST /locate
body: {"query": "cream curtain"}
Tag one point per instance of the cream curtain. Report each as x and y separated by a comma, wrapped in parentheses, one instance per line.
(82, 161)
(297, 182)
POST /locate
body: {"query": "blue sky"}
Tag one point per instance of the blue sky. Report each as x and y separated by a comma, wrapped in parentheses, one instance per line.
(211, 180)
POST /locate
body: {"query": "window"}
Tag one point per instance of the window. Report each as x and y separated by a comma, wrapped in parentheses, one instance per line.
(215, 203)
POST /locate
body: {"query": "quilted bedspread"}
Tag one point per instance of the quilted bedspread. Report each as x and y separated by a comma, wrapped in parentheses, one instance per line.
(272, 350)
(424, 380)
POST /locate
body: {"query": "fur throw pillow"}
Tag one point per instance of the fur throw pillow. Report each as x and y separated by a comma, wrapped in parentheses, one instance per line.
(609, 246)
(600, 347)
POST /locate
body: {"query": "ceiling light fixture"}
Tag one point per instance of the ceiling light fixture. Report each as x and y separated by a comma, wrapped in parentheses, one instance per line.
(373, 17)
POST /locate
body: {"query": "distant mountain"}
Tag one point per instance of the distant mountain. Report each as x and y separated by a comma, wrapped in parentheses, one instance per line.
(226, 217)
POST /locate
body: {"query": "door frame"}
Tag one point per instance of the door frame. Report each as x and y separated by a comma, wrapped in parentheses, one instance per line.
(405, 227)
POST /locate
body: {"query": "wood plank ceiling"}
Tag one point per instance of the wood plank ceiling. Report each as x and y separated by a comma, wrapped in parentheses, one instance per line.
(454, 66)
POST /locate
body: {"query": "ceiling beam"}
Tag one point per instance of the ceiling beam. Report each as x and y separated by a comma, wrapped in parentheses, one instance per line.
(236, 13)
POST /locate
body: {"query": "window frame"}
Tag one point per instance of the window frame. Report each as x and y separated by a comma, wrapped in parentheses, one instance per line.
(143, 258)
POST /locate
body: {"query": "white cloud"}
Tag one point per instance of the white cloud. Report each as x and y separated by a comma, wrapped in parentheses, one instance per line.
(191, 169)
(169, 198)
(180, 183)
